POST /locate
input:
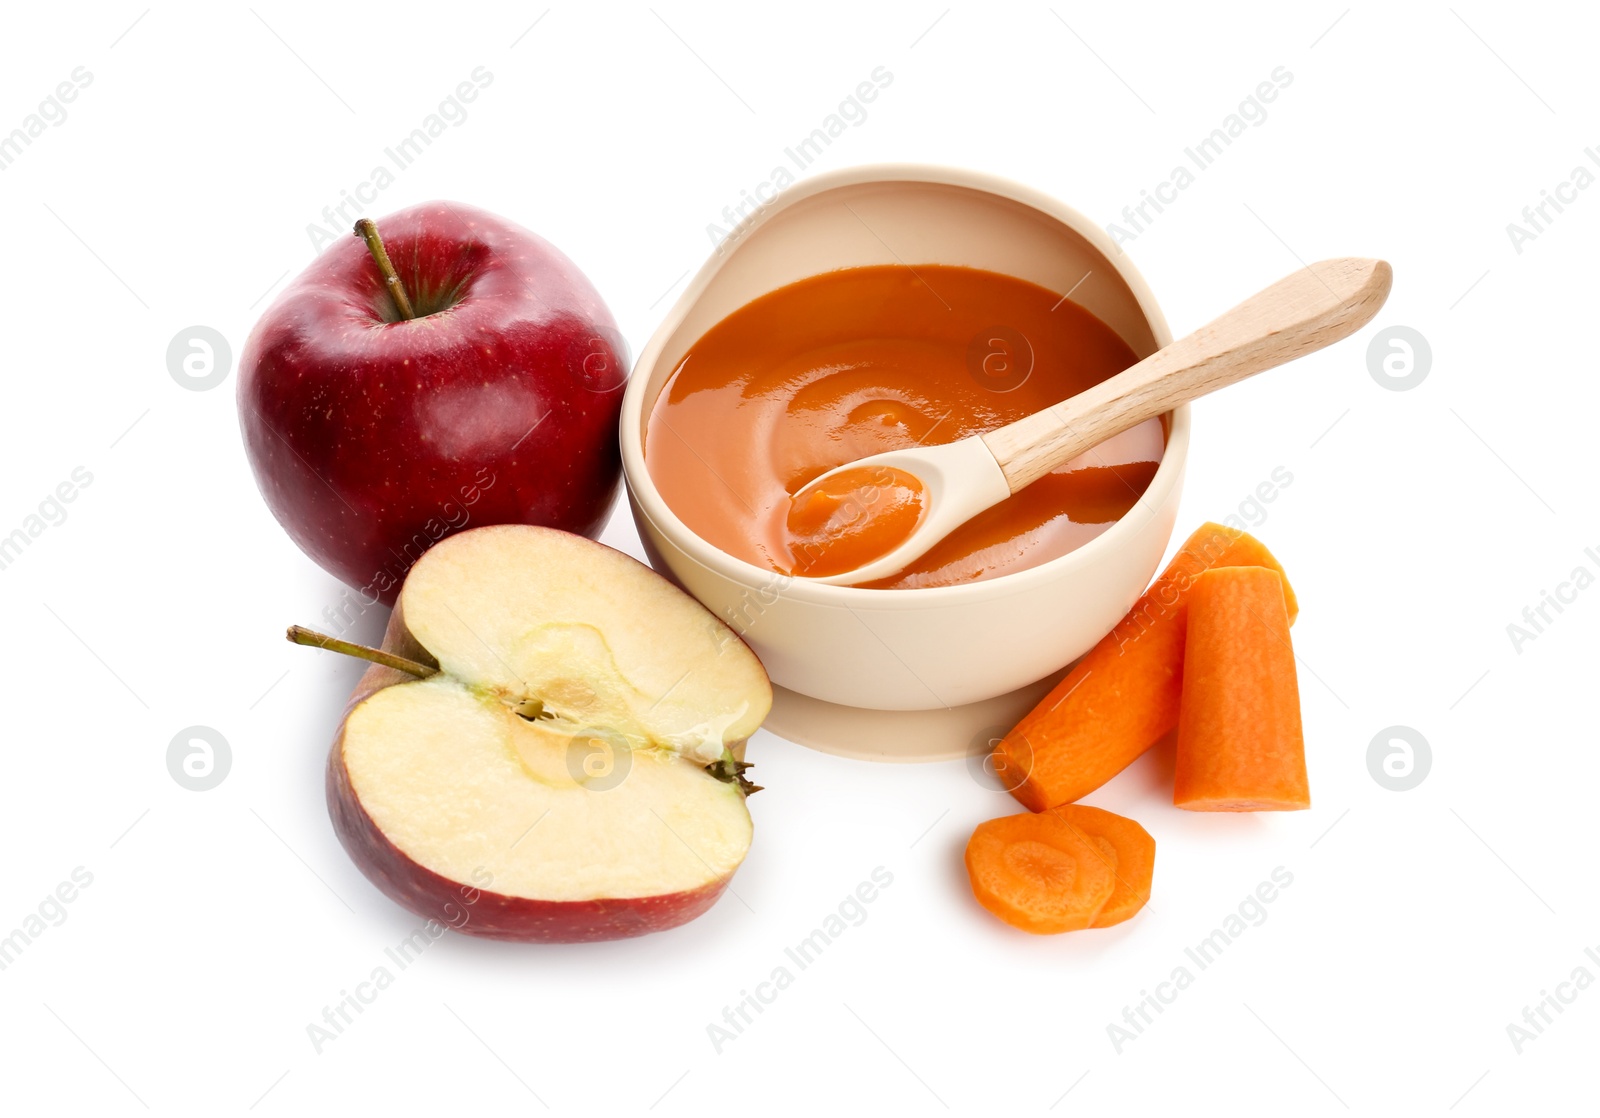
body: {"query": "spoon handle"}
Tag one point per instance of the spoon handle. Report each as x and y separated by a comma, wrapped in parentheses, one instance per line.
(1299, 314)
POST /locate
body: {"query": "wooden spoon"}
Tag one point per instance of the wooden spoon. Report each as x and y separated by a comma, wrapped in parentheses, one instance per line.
(1300, 314)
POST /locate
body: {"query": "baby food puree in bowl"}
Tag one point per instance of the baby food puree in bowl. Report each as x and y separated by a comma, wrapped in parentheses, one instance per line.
(868, 310)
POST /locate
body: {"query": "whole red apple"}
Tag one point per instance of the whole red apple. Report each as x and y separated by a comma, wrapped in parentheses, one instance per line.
(373, 434)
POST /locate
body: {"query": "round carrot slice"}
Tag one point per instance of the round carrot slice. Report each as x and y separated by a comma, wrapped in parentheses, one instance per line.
(1135, 857)
(1038, 873)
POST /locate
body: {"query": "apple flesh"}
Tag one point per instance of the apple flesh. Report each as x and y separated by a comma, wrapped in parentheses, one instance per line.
(549, 783)
(371, 436)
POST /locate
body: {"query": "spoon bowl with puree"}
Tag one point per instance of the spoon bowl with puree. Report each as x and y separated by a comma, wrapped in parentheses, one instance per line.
(868, 519)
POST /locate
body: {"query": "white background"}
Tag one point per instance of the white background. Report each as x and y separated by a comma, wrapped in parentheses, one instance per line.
(1418, 525)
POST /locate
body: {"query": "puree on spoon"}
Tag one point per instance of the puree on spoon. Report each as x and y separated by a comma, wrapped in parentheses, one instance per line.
(860, 361)
(852, 518)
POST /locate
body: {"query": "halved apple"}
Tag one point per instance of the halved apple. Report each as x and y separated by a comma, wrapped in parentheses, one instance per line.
(565, 775)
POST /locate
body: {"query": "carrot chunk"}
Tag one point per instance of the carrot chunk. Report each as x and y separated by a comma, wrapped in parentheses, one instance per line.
(1039, 874)
(1240, 745)
(1124, 694)
(1133, 853)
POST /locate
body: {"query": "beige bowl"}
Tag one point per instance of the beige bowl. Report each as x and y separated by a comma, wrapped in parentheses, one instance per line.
(911, 650)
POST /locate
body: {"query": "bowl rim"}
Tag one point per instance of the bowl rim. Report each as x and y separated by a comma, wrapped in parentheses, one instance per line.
(647, 499)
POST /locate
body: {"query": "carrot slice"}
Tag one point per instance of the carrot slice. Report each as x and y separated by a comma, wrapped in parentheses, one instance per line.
(1240, 745)
(1133, 853)
(1039, 874)
(1124, 694)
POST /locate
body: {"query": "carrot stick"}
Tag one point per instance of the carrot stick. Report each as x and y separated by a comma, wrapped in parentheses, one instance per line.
(1124, 695)
(1039, 874)
(1240, 746)
(1133, 853)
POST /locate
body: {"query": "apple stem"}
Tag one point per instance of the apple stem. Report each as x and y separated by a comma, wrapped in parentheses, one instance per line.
(368, 231)
(299, 634)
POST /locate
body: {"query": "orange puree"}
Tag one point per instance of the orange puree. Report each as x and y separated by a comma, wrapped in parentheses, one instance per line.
(860, 361)
(852, 518)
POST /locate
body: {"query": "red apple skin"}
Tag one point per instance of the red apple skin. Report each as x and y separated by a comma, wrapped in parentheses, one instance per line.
(372, 438)
(471, 907)
(480, 911)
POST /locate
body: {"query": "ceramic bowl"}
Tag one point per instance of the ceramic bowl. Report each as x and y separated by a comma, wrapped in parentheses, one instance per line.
(924, 649)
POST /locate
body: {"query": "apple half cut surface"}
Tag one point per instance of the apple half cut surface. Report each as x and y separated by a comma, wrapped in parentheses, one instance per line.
(567, 774)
